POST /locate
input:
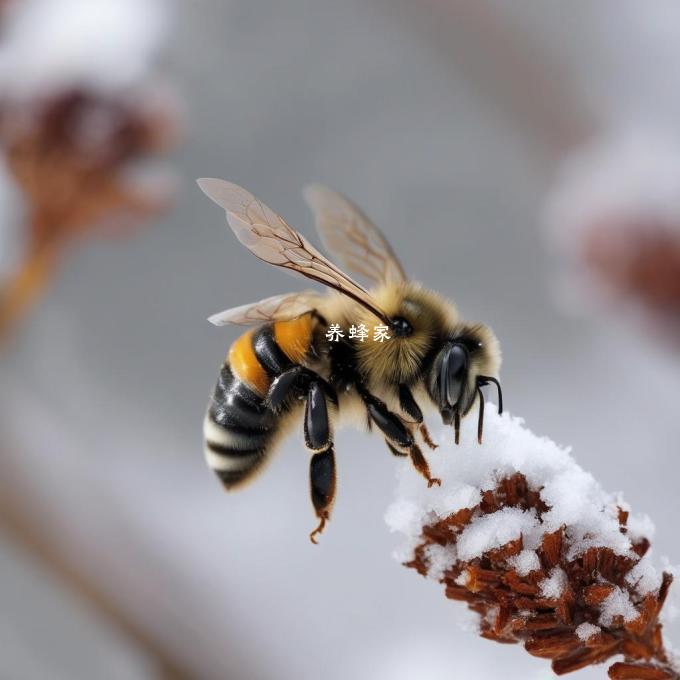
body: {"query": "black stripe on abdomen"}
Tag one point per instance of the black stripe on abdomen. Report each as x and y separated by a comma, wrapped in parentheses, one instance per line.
(233, 465)
(237, 430)
(234, 405)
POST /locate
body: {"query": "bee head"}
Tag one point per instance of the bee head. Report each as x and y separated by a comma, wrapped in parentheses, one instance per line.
(428, 340)
(463, 363)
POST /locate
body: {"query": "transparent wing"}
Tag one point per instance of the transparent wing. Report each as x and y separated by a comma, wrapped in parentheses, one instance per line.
(275, 308)
(268, 237)
(352, 237)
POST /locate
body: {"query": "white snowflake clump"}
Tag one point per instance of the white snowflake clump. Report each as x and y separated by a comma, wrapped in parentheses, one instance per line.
(617, 603)
(553, 587)
(586, 631)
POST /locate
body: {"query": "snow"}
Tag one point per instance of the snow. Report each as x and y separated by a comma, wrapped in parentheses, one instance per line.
(553, 586)
(526, 562)
(495, 530)
(575, 499)
(644, 577)
(586, 630)
(439, 558)
(617, 604)
(640, 526)
(49, 45)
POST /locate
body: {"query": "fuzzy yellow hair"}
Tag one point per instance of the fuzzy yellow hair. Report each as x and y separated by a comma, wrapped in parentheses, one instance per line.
(398, 360)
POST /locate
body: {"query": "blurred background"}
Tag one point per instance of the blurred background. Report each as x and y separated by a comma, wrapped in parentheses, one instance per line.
(521, 159)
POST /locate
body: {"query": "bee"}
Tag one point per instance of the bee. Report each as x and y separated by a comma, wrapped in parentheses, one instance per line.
(428, 354)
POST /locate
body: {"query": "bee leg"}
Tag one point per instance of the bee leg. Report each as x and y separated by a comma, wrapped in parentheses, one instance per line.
(322, 483)
(295, 381)
(397, 434)
(322, 465)
(483, 380)
(317, 425)
(410, 406)
(480, 422)
(394, 451)
(426, 436)
(420, 464)
(284, 386)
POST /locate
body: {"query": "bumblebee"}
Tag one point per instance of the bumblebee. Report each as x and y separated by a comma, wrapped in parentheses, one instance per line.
(290, 360)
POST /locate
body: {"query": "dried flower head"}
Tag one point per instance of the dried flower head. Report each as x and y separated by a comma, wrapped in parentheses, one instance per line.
(77, 119)
(71, 155)
(539, 551)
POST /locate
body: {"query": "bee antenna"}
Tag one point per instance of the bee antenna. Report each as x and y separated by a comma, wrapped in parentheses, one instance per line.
(484, 379)
(480, 422)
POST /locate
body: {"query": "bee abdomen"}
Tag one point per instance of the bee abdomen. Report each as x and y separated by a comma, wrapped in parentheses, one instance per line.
(239, 426)
(237, 429)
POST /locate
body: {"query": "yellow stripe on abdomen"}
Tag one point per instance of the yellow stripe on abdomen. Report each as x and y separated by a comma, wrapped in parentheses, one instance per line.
(294, 337)
(245, 365)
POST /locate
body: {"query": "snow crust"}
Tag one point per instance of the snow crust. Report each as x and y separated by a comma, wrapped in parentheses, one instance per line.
(575, 499)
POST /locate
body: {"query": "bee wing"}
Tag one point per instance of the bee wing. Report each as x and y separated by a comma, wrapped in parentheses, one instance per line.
(268, 237)
(275, 308)
(349, 234)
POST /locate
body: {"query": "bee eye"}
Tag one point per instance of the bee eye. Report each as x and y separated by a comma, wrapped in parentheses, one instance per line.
(401, 327)
(471, 344)
(452, 373)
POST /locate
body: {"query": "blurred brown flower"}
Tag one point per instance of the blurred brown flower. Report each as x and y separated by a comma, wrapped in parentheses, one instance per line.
(78, 125)
(71, 155)
(613, 215)
(637, 258)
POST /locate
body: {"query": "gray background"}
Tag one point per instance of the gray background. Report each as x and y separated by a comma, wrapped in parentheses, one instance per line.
(104, 394)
